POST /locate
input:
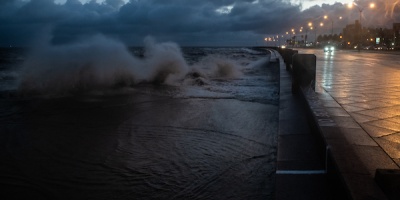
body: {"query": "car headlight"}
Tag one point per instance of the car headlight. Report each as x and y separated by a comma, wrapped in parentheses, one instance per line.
(332, 48)
(326, 49)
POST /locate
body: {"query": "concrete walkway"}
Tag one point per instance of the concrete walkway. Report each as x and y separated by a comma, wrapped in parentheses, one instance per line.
(356, 110)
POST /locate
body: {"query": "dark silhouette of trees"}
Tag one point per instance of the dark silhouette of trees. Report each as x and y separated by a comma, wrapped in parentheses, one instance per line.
(329, 38)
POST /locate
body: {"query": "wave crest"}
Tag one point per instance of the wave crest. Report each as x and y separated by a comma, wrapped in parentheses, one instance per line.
(97, 63)
(102, 63)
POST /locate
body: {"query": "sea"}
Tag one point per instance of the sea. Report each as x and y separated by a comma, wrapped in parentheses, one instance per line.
(98, 120)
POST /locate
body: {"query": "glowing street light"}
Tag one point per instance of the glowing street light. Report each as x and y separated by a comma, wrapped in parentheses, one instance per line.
(371, 5)
(360, 10)
(331, 19)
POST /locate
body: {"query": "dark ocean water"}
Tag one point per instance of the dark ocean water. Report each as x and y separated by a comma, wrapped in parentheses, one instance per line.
(71, 128)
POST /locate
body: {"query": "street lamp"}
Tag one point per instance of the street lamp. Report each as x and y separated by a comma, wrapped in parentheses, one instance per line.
(310, 27)
(310, 24)
(326, 17)
(360, 9)
(331, 19)
(294, 36)
(290, 35)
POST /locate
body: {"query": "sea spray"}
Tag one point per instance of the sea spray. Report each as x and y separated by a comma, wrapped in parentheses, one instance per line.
(101, 63)
(98, 62)
(214, 66)
(164, 62)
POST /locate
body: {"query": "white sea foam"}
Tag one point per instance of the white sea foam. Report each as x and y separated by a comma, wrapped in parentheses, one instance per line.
(97, 62)
(103, 63)
(164, 62)
(218, 67)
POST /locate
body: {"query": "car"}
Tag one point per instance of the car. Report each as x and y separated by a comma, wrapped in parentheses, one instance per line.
(329, 48)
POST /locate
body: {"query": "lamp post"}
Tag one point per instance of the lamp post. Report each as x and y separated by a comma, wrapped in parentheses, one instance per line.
(320, 24)
(331, 19)
(300, 32)
(290, 36)
(309, 27)
(294, 36)
(314, 27)
(360, 9)
(287, 33)
(326, 17)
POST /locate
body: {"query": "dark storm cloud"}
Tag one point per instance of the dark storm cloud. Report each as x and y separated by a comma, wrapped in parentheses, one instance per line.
(239, 22)
(373, 18)
(266, 17)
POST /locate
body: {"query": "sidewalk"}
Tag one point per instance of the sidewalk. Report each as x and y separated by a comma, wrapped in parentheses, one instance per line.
(358, 121)
(364, 106)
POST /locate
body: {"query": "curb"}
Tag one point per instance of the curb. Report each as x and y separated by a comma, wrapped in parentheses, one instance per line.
(353, 158)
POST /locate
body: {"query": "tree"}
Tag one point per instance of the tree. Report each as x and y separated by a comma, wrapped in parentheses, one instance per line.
(319, 38)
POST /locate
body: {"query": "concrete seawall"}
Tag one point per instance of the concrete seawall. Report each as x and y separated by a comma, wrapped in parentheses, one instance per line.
(324, 152)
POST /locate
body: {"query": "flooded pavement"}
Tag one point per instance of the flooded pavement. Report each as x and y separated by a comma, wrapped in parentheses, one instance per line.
(148, 141)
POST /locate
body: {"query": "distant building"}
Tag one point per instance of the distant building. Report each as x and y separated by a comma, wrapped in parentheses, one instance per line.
(370, 37)
(351, 34)
(396, 34)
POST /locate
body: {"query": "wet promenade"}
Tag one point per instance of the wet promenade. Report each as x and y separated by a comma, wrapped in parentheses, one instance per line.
(356, 105)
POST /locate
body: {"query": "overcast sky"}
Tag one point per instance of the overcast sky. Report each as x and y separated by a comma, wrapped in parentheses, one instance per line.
(187, 22)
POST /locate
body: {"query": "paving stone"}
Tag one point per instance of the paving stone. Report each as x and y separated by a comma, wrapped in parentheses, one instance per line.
(393, 110)
(331, 132)
(346, 122)
(397, 160)
(386, 124)
(377, 113)
(346, 159)
(367, 105)
(393, 137)
(344, 101)
(360, 118)
(375, 131)
(361, 159)
(357, 136)
(351, 108)
(337, 112)
(374, 158)
(393, 101)
(325, 96)
(394, 119)
(392, 148)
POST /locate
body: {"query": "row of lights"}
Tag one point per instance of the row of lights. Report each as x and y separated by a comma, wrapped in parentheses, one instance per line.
(311, 27)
